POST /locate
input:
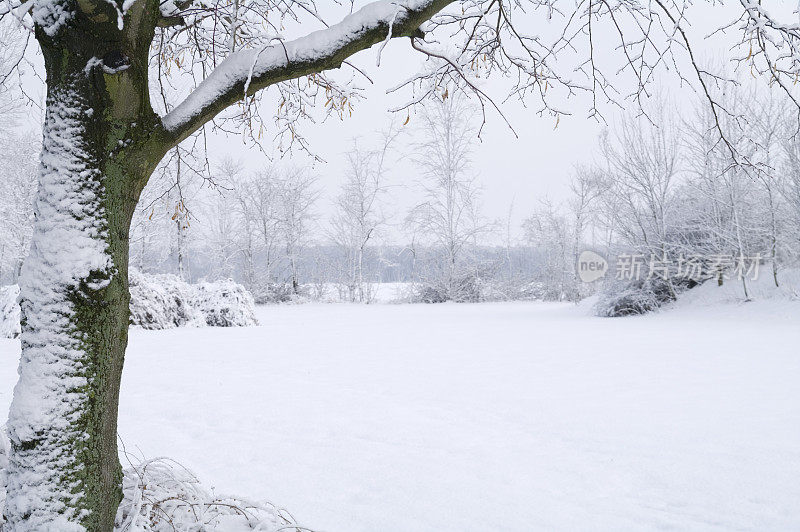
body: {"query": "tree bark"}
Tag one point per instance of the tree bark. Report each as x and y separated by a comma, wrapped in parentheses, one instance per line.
(74, 299)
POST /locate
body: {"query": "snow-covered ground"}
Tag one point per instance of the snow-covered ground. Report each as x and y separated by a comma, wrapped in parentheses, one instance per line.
(484, 417)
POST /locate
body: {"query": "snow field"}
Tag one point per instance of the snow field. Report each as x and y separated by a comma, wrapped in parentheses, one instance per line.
(517, 416)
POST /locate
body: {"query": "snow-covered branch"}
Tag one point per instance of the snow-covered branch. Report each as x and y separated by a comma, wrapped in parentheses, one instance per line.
(247, 71)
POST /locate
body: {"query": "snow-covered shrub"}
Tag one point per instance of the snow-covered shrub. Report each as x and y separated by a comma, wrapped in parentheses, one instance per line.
(9, 311)
(162, 302)
(160, 495)
(532, 291)
(273, 293)
(499, 290)
(224, 304)
(165, 301)
(636, 297)
(465, 288)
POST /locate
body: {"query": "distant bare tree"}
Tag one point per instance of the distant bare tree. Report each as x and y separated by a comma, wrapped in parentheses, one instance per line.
(768, 130)
(258, 210)
(359, 214)
(548, 231)
(297, 195)
(642, 160)
(586, 187)
(222, 226)
(449, 216)
(790, 189)
(726, 218)
(266, 206)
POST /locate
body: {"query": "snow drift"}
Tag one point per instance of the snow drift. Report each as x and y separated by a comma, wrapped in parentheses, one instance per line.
(162, 302)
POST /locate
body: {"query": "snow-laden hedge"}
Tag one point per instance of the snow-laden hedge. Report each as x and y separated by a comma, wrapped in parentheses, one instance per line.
(162, 302)
(9, 311)
(165, 301)
(224, 304)
(638, 296)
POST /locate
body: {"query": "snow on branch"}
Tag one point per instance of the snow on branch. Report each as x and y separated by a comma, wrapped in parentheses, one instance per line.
(775, 43)
(246, 71)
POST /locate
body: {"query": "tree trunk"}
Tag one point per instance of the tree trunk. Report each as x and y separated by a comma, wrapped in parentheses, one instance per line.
(64, 472)
(74, 294)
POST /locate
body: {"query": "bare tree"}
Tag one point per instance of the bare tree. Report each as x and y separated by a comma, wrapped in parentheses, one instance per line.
(177, 166)
(790, 189)
(12, 54)
(726, 219)
(265, 197)
(359, 214)
(549, 233)
(586, 187)
(222, 223)
(18, 158)
(642, 160)
(768, 130)
(161, 227)
(449, 216)
(297, 195)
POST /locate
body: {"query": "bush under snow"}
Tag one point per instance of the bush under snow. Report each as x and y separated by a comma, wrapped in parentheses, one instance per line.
(224, 304)
(464, 288)
(160, 495)
(638, 296)
(162, 302)
(642, 296)
(165, 301)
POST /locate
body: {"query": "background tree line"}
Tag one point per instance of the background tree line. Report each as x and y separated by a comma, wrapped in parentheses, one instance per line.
(661, 186)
